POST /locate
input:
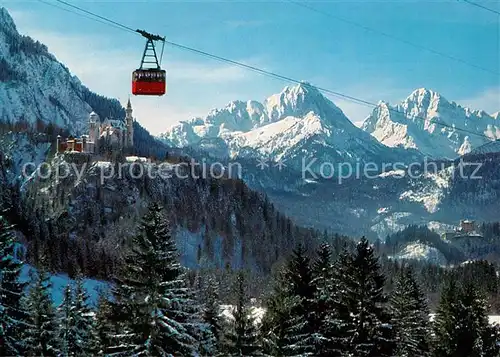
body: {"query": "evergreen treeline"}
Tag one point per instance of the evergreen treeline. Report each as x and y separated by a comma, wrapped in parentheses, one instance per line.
(320, 304)
(103, 106)
(146, 145)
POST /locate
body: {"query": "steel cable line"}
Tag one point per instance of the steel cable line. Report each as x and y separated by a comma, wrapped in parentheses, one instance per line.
(328, 14)
(481, 6)
(98, 16)
(76, 13)
(269, 73)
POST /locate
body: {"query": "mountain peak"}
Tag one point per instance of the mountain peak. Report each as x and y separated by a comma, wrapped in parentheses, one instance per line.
(302, 87)
(298, 100)
(422, 95)
(6, 22)
(414, 123)
(423, 102)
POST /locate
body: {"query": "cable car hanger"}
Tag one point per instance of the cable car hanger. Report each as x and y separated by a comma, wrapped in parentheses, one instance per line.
(150, 47)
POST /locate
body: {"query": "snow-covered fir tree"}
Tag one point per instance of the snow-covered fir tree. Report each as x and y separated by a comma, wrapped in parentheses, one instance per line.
(13, 317)
(76, 324)
(103, 324)
(41, 333)
(152, 308)
(410, 317)
(210, 301)
(323, 315)
(363, 316)
(482, 338)
(281, 329)
(87, 343)
(287, 324)
(242, 335)
(67, 333)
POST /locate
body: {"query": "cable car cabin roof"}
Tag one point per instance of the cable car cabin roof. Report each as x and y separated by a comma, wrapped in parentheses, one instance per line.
(149, 75)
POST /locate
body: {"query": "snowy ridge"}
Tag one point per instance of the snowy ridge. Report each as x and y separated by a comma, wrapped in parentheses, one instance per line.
(427, 121)
(297, 124)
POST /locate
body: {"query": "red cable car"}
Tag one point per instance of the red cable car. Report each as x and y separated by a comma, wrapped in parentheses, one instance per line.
(150, 81)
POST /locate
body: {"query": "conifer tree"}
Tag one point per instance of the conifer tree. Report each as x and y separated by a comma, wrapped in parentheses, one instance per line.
(461, 324)
(281, 329)
(40, 335)
(13, 317)
(288, 323)
(410, 318)
(211, 317)
(299, 278)
(104, 327)
(363, 317)
(152, 307)
(322, 308)
(242, 337)
(446, 341)
(85, 322)
(67, 336)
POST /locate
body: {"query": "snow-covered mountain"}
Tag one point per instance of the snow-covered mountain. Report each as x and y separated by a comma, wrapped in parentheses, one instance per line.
(35, 86)
(427, 121)
(295, 126)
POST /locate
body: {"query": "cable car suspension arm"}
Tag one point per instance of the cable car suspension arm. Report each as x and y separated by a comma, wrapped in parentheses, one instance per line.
(150, 47)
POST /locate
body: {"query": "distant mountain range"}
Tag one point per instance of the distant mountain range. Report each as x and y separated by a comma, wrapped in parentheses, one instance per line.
(300, 125)
(430, 123)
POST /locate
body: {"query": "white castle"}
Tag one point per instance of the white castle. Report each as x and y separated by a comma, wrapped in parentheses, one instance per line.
(110, 133)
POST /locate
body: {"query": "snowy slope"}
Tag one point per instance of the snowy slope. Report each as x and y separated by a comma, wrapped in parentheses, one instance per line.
(34, 85)
(297, 124)
(60, 281)
(420, 251)
(427, 121)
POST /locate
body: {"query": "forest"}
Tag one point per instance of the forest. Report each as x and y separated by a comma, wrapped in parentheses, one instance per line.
(317, 304)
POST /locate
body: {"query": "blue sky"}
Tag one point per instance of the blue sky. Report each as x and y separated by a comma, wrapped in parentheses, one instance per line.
(280, 37)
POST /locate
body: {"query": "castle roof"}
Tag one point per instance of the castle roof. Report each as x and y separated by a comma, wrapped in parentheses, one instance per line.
(114, 123)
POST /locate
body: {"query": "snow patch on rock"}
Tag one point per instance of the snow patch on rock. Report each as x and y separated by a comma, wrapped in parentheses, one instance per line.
(420, 251)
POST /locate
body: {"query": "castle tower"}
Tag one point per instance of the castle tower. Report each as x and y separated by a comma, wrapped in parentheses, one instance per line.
(129, 121)
(94, 124)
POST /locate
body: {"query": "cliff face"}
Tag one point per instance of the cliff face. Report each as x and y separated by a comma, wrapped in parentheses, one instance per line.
(34, 86)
